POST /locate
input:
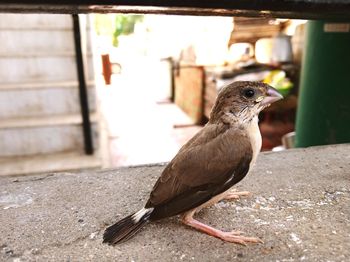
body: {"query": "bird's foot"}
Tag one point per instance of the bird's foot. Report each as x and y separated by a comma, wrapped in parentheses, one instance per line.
(236, 237)
(235, 195)
(232, 237)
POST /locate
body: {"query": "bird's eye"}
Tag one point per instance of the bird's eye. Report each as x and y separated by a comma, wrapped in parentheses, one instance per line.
(249, 93)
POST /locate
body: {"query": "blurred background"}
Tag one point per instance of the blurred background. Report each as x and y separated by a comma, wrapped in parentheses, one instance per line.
(151, 82)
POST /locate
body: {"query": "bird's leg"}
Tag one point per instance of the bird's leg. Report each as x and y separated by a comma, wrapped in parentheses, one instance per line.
(233, 236)
(235, 195)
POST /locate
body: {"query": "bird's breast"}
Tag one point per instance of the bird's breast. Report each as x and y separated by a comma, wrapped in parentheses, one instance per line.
(255, 138)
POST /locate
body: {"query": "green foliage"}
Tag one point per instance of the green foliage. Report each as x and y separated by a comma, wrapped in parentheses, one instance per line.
(115, 25)
(125, 25)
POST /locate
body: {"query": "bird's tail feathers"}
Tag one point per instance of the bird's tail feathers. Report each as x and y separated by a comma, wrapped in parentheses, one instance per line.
(127, 227)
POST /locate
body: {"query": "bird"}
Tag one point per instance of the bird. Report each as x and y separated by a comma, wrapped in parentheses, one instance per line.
(202, 173)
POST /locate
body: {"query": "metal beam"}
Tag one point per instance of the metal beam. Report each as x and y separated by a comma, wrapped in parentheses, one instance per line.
(85, 112)
(303, 9)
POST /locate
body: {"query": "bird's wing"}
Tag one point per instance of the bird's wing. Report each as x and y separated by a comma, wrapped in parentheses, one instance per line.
(210, 163)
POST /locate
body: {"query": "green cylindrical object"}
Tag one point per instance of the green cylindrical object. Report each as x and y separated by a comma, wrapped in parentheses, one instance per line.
(323, 115)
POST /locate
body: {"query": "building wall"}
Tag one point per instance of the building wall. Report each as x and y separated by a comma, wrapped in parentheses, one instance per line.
(39, 96)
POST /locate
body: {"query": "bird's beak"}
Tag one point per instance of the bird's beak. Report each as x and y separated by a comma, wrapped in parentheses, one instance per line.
(272, 96)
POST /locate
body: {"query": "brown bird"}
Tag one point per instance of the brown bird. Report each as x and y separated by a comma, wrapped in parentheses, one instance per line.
(208, 165)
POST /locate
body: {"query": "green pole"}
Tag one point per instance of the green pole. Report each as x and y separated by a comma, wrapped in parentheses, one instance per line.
(323, 115)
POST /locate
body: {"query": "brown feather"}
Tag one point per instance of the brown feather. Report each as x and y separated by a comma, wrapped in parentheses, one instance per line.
(216, 155)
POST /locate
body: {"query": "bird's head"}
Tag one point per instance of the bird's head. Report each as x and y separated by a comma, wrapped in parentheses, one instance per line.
(243, 100)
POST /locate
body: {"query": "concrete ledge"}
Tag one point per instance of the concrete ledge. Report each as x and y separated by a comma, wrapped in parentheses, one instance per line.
(44, 163)
(300, 208)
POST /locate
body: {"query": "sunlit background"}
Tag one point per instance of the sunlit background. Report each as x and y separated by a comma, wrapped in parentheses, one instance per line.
(151, 79)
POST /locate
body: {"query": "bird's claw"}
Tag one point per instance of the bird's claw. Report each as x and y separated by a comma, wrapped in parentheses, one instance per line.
(235, 195)
(236, 237)
(237, 233)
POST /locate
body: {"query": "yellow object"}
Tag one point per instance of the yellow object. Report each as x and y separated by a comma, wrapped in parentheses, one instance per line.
(278, 80)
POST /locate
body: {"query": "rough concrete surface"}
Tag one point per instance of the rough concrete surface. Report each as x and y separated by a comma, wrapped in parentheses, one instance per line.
(300, 208)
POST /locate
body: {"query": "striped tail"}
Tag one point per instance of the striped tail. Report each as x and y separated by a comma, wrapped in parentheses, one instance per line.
(127, 227)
